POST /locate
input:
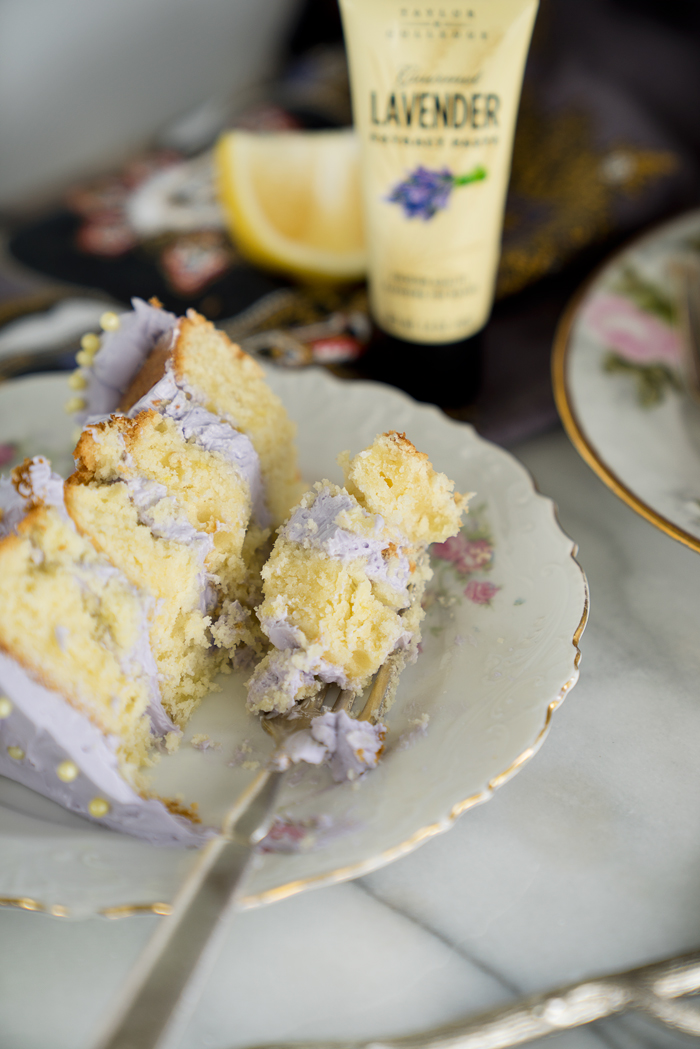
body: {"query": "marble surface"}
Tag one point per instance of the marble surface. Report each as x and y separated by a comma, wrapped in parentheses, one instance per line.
(586, 862)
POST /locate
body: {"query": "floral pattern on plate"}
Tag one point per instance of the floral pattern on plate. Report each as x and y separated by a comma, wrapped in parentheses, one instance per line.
(642, 437)
(460, 563)
(470, 711)
(636, 320)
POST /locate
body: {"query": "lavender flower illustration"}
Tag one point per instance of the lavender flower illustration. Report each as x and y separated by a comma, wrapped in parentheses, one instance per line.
(426, 192)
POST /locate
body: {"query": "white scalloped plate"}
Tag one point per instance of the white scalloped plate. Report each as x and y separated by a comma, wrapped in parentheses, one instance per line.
(647, 453)
(499, 654)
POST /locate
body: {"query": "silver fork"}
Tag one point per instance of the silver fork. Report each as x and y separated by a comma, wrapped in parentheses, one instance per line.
(169, 977)
(651, 989)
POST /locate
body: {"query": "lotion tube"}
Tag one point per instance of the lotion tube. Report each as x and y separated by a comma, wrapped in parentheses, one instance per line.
(435, 91)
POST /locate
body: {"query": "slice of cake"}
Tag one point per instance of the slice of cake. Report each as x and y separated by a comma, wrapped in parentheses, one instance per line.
(172, 510)
(343, 585)
(80, 706)
(150, 358)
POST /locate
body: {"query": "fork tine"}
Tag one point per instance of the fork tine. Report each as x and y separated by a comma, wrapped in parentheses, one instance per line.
(344, 701)
(380, 687)
(279, 726)
(309, 708)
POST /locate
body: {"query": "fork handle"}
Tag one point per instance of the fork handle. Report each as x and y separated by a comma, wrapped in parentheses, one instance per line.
(168, 978)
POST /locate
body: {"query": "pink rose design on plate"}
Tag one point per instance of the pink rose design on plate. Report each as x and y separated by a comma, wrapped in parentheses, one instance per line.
(7, 453)
(467, 555)
(480, 592)
(635, 335)
(284, 836)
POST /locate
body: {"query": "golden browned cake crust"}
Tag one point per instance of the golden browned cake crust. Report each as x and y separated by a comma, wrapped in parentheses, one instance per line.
(229, 383)
(151, 372)
(153, 357)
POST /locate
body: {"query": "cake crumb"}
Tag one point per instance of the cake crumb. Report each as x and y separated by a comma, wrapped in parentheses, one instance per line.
(178, 807)
(420, 723)
(202, 742)
(418, 730)
(172, 741)
(241, 754)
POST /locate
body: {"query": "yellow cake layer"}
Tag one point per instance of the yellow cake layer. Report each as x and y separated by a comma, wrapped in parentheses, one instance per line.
(333, 604)
(345, 617)
(74, 630)
(208, 488)
(168, 570)
(395, 480)
(230, 383)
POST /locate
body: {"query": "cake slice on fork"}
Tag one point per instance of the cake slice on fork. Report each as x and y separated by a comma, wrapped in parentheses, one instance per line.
(344, 583)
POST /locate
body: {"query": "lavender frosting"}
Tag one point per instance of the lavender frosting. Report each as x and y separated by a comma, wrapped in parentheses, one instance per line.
(277, 680)
(145, 495)
(277, 675)
(139, 661)
(209, 432)
(40, 483)
(281, 674)
(316, 526)
(49, 731)
(43, 486)
(353, 746)
(122, 354)
(350, 747)
(142, 655)
(282, 633)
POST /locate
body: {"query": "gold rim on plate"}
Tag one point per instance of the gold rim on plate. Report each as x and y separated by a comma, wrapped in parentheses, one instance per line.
(570, 421)
(355, 870)
(366, 866)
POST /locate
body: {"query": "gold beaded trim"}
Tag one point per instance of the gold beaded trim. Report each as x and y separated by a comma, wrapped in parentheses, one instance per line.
(89, 347)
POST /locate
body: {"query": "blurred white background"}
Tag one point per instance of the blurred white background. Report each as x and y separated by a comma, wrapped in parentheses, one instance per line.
(84, 82)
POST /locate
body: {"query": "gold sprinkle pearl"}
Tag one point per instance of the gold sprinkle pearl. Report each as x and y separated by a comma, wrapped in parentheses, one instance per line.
(15, 752)
(67, 771)
(84, 359)
(98, 807)
(75, 404)
(90, 343)
(109, 321)
(5, 707)
(77, 381)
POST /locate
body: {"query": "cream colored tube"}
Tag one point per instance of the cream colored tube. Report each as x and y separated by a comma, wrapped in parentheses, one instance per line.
(435, 90)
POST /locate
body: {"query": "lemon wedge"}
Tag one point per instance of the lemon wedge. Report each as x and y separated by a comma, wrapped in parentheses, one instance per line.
(292, 201)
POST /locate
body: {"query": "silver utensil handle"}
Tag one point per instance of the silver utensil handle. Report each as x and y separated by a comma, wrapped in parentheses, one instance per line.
(650, 989)
(168, 978)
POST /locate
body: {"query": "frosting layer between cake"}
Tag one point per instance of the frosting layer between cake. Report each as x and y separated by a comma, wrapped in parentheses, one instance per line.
(122, 353)
(41, 736)
(210, 433)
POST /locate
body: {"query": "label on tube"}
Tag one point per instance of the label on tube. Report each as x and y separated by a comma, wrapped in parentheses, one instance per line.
(435, 92)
